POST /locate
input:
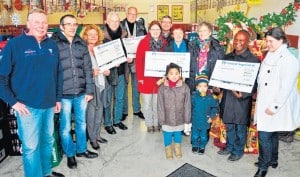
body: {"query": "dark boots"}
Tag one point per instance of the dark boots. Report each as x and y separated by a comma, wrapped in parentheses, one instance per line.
(287, 137)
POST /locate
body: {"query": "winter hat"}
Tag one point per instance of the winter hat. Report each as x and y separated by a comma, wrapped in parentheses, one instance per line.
(201, 78)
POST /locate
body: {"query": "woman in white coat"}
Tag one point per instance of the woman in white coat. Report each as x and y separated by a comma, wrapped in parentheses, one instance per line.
(278, 100)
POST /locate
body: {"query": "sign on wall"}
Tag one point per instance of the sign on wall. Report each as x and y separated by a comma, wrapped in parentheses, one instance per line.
(254, 2)
(162, 10)
(177, 13)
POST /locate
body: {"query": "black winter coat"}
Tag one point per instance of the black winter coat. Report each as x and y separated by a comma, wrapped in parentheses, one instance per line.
(112, 78)
(216, 52)
(140, 28)
(76, 65)
(237, 110)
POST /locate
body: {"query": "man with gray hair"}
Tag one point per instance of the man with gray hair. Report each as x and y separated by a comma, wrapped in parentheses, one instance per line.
(31, 82)
(116, 79)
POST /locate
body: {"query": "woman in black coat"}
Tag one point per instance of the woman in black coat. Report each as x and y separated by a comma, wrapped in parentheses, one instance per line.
(205, 51)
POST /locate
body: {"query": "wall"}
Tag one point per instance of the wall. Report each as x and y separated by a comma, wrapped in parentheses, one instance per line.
(254, 11)
(148, 8)
(251, 10)
(91, 17)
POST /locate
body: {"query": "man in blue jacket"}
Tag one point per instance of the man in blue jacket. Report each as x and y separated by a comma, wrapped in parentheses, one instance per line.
(31, 82)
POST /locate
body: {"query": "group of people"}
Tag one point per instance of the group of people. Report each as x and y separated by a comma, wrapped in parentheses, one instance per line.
(40, 76)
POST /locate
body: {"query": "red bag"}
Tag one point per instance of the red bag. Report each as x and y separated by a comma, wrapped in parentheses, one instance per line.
(220, 136)
(251, 146)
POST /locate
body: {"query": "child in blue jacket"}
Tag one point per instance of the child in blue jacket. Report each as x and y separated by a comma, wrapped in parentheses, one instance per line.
(204, 109)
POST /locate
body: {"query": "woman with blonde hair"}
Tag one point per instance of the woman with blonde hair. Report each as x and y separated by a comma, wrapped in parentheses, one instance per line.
(93, 35)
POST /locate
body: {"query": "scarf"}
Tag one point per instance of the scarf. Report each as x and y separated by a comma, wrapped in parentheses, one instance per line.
(100, 79)
(156, 46)
(203, 53)
(181, 47)
(202, 43)
(131, 28)
(172, 84)
(114, 34)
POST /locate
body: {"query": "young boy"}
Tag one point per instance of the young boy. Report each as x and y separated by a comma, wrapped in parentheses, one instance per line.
(204, 109)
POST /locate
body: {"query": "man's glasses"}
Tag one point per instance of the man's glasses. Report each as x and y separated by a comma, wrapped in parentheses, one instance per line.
(71, 24)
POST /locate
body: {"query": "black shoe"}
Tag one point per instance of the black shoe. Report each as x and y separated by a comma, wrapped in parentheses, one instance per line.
(95, 145)
(71, 162)
(124, 116)
(182, 133)
(110, 130)
(201, 151)
(55, 174)
(139, 114)
(260, 173)
(121, 126)
(87, 154)
(195, 150)
(224, 152)
(102, 140)
(273, 165)
(233, 158)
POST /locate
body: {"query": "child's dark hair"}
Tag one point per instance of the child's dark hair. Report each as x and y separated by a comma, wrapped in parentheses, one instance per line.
(173, 66)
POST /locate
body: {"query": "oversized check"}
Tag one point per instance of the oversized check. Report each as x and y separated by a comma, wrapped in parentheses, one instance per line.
(232, 75)
(109, 54)
(131, 45)
(156, 63)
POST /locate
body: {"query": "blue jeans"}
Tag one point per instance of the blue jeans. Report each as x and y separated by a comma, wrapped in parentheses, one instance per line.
(268, 149)
(36, 134)
(136, 105)
(168, 137)
(118, 102)
(79, 105)
(236, 135)
(199, 138)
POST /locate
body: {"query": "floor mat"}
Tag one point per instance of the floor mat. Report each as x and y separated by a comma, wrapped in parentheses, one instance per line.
(187, 170)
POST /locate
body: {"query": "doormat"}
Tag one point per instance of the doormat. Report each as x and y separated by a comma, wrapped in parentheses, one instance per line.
(187, 170)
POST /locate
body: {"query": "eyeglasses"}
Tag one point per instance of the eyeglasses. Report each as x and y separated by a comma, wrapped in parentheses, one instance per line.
(132, 14)
(92, 34)
(71, 25)
(155, 29)
(168, 22)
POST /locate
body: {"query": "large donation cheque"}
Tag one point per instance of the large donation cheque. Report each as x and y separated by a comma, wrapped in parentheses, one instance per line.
(110, 54)
(156, 63)
(232, 75)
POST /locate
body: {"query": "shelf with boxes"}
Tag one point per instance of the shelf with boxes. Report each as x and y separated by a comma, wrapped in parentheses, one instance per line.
(3, 149)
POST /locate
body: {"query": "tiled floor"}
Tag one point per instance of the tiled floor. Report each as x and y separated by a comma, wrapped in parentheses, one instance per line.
(136, 153)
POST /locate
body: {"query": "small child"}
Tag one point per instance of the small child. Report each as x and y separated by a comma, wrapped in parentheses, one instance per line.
(204, 109)
(173, 109)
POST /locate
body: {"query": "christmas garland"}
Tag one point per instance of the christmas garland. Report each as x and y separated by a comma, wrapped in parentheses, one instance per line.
(285, 18)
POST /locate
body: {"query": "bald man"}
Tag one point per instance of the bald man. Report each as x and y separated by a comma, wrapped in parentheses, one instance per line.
(116, 79)
(133, 28)
(236, 106)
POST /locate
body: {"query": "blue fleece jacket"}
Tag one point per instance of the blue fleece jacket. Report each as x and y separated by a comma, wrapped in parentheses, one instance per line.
(30, 72)
(203, 107)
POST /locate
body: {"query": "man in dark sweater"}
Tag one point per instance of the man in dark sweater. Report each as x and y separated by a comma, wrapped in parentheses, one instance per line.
(134, 29)
(31, 82)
